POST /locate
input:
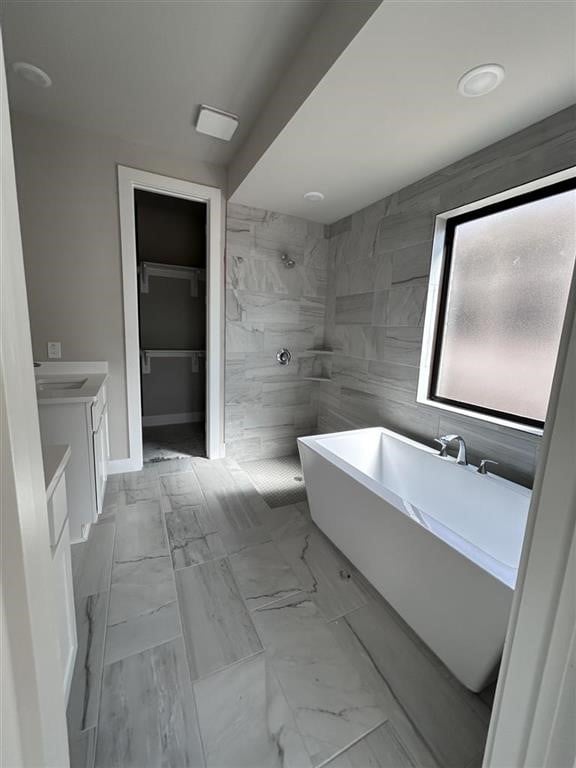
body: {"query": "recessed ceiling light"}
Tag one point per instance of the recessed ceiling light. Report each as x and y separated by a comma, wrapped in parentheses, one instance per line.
(215, 122)
(314, 197)
(32, 74)
(481, 80)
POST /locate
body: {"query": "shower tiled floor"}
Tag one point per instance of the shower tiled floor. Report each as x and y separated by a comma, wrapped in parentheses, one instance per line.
(215, 630)
(279, 481)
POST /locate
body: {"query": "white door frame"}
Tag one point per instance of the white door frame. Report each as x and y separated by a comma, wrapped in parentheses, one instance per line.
(129, 180)
(32, 716)
(533, 716)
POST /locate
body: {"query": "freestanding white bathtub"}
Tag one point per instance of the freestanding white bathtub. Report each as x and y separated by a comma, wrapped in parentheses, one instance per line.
(438, 540)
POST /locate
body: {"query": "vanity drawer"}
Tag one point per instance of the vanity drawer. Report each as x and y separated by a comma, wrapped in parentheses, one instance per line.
(98, 407)
(57, 512)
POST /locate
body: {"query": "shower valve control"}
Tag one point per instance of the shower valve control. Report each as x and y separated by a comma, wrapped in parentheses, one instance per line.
(283, 356)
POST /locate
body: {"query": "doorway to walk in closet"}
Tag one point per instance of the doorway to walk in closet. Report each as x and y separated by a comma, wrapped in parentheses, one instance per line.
(171, 247)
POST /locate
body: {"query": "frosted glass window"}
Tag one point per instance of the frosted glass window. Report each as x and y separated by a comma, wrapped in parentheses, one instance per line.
(504, 298)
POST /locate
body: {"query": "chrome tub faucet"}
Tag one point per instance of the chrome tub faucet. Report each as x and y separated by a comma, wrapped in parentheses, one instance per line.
(446, 440)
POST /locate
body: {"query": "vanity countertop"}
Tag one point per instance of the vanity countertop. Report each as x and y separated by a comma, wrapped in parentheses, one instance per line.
(55, 459)
(57, 389)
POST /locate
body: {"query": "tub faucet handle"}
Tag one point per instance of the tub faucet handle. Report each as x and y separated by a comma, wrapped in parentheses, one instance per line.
(444, 446)
(482, 468)
(461, 447)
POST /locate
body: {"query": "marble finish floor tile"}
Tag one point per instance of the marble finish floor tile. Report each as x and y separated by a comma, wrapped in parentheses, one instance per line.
(152, 628)
(451, 720)
(217, 627)
(232, 499)
(133, 481)
(77, 551)
(148, 714)
(95, 561)
(183, 483)
(238, 539)
(380, 749)
(146, 493)
(405, 730)
(140, 586)
(287, 522)
(82, 712)
(341, 678)
(263, 575)
(245, 720)
(140, 532)
(322, 571)
(191, 537)
(331, 705)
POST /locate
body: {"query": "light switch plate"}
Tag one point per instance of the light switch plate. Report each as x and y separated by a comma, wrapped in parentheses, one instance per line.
(54, 350)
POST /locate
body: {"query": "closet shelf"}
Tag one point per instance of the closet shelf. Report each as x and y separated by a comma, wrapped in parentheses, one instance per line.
(194, 354)
(148, 269)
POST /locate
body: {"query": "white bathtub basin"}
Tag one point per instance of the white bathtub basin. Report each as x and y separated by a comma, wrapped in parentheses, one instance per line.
(439, 541)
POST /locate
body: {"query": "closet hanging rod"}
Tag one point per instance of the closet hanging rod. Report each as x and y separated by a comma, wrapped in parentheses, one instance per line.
(194, 355)
(149, 269)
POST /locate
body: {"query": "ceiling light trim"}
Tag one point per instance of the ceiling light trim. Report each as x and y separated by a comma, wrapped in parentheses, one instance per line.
(32, 74)
(481, 80)
(314, 197)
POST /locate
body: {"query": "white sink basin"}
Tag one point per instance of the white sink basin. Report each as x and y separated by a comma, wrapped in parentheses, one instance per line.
(55, 384)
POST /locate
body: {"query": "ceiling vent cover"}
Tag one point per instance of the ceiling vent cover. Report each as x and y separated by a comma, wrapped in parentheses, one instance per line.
(215, 122)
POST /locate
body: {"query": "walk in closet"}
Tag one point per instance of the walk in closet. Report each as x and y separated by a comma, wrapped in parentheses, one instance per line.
(171, 253)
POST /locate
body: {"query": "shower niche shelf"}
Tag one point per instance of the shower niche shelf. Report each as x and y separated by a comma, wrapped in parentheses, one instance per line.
(148, 269)
(321, 366)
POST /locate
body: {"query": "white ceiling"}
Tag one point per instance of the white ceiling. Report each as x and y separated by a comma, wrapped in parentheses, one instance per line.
(388, 113)
(139, 70)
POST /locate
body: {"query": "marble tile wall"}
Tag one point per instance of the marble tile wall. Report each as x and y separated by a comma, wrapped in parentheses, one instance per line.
(378, 266)
(269, 307)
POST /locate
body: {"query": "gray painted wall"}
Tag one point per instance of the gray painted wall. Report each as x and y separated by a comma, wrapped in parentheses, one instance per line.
(68, 201)
(378, 270)
(269, 307)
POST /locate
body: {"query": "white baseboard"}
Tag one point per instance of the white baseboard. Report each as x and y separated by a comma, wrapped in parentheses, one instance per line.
(119, 466)
(172, 418)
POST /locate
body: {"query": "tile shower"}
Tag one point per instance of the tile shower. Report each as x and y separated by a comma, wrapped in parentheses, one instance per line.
(269, 306)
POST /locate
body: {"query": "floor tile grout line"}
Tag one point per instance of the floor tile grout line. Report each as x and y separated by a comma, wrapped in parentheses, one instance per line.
(181, 624)
(326, 763)
(97, 726)
(393, 692)
(226, 667)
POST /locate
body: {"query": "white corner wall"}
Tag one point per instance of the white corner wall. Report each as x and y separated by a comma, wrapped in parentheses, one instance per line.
(68, 200)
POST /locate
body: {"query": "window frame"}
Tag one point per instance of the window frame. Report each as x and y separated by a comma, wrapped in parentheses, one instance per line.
(438, 288)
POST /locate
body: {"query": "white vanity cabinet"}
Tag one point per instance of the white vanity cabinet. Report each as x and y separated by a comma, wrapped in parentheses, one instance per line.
(78, 416)
(56, 459)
